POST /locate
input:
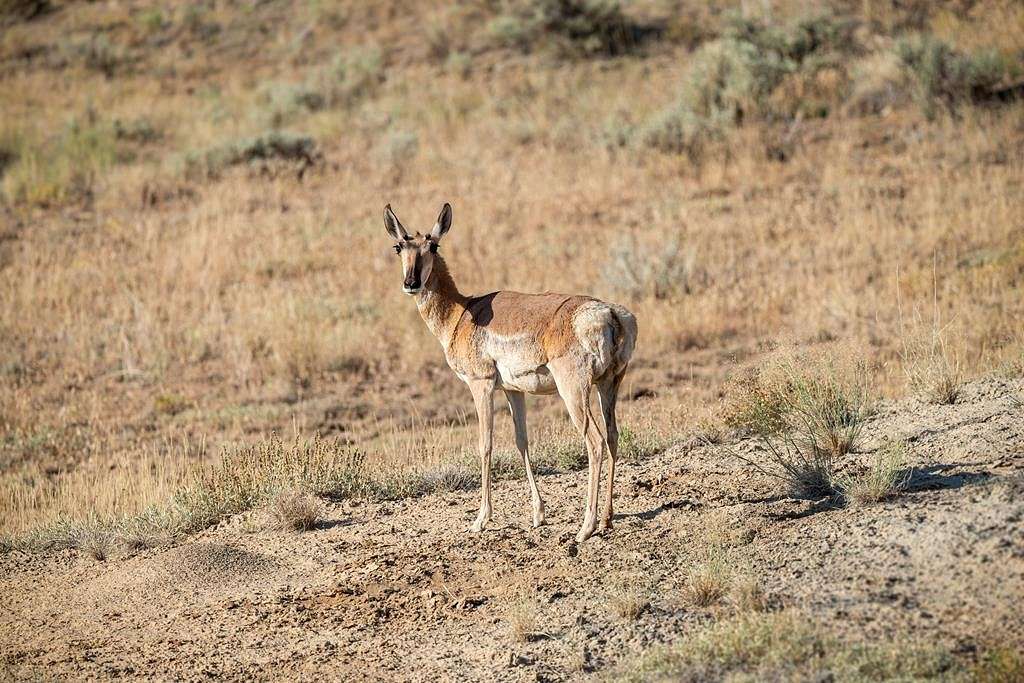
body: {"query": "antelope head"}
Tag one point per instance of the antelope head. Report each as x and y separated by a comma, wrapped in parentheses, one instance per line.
(416, 251)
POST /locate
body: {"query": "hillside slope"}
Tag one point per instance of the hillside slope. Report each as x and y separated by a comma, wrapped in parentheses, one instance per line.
(400, 590)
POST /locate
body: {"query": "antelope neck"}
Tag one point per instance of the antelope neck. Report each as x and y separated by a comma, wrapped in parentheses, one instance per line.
(440, 303)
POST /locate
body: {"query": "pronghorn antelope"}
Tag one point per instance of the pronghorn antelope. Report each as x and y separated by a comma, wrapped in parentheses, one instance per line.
(523, 344)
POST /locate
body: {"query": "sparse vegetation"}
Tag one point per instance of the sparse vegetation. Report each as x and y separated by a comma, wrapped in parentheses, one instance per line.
(246, 477)
(786, 645)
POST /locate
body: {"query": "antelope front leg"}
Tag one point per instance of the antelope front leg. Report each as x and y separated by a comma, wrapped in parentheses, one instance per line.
(483, 392)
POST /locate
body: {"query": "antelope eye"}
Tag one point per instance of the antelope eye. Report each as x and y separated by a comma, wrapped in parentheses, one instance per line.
(397, 248)
(433, 247)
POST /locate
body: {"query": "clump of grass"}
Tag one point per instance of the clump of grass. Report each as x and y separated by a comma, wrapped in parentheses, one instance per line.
(808, 412)
(635, 445)
(666, 269)
(931, 368)
(747, 594)
(295, 510)
(629, 597)
(708, 582)
(98, 543)
(451, 477)
(886, 475)
(523, 622)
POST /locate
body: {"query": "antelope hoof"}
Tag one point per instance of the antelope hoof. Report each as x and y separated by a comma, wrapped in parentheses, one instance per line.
(538, 516)
(606, 523)
(479, 524)
(586, 532)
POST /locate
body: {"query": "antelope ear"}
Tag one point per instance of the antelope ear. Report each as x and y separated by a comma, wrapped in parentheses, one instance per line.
(393, 225)
(444, 222)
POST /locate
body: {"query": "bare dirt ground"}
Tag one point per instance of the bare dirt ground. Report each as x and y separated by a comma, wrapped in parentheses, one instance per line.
(402, 591)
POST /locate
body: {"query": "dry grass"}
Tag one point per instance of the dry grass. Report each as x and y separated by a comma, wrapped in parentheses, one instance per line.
(262, 296)
(295, 510)
(629, 597)
(747, 594)
(885, 475)
(523, 621)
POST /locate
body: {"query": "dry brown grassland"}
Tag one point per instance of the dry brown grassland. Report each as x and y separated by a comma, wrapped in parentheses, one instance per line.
(192, 256)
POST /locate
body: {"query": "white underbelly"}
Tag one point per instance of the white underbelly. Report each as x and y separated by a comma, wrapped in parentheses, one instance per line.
(529, 381)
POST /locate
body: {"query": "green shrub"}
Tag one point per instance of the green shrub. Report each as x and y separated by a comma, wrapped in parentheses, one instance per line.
(944, 77)
(152, 20)
(271, 146)
(592, 27)
(796, 41)
(729, 80)
(737, 78)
